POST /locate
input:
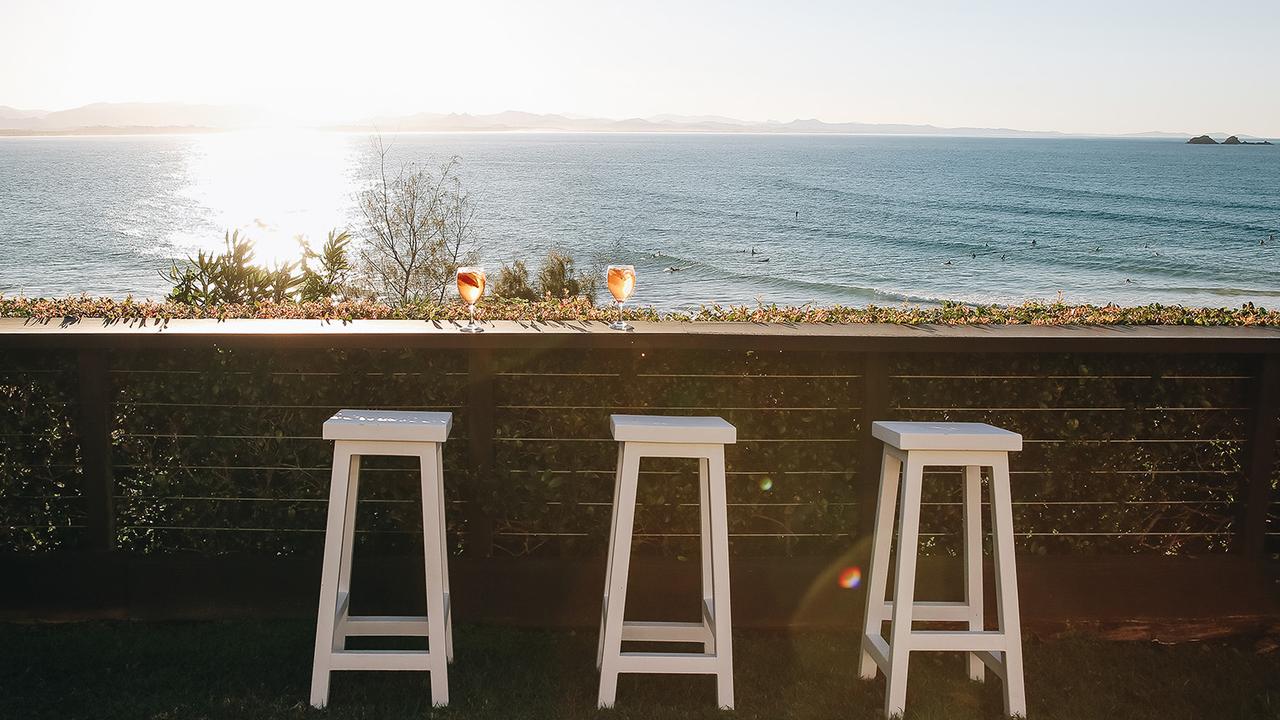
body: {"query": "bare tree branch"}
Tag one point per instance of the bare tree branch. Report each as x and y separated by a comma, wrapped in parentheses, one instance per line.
(416, 227)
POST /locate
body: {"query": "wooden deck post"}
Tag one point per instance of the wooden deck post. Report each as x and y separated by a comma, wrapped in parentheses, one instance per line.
(1261, 460)
(480, 430)
(875, 406)
(95, 449)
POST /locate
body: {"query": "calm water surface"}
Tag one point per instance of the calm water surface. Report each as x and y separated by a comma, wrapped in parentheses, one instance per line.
(832, 219)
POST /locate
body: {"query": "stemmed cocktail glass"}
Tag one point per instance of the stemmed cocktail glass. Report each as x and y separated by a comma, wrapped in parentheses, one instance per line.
(470, 288)
(622, 282)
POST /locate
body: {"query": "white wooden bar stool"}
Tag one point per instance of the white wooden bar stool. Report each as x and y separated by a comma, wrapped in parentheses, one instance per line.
(702, 438)
(909, 447)
(383, 432)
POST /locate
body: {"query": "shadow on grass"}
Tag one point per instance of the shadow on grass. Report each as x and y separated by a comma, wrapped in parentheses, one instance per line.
(262, 669)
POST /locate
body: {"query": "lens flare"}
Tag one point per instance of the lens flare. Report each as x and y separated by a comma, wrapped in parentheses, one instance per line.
(766, 484)
(850, 578)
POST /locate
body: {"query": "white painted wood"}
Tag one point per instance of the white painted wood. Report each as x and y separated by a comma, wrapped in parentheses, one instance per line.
(878, 649)
(348, 549)
(327, 614)
(957, 640)
(385, 626)
(444, 556)
(877, 575)
(668, 663)
(946, 436)
(994, 662)
(640, 436)
(672, 449)
(343, 601)
(934, 611)
(389, 425)
(722, 620)
(617, 589)
(359, 433)
(651, 631)
(433, 553)
(608, 573)
(672, 429)
(998, 650)
(398, 660)
(973, 561)
(1015, 701)
(708, 579)
(904, 587)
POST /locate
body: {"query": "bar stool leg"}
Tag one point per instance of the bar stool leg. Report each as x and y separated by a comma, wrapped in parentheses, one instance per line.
(333, 541)
(708, 572)
(348, 550)
(620, 556)
(608, 572)
(877, 573)
(722, 615)
(904, 581)
(434, 556)
(973, 561)
(1015, 701)
(444, 557)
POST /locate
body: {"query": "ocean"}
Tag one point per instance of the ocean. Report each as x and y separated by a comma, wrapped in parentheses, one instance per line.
(787, 219)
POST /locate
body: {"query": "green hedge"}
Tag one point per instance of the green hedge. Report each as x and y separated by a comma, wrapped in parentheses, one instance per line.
(218, 451)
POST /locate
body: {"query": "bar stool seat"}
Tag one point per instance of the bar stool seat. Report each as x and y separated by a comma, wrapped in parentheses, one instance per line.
(701, 438)
(946, 436)
(909, 447)
(394, 425)
(672, 429)
(357, 433)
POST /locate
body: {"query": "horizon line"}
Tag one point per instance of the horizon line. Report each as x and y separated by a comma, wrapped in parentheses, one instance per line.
(750, 126)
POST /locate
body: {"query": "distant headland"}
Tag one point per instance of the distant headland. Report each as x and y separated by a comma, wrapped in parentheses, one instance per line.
(1233, 140)
(134, 118)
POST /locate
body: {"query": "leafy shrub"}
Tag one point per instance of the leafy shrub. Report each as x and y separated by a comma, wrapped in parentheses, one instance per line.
(557, 280)
(232, 278)
(331, 275)
(513, 283)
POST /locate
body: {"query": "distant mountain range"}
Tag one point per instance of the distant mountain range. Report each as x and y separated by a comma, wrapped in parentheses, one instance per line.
(114, 116)
(120, 118)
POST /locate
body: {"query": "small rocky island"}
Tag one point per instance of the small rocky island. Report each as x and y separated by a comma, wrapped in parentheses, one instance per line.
(1233, 140)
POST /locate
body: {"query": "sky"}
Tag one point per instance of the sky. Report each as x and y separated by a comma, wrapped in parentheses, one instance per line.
(1086, 67)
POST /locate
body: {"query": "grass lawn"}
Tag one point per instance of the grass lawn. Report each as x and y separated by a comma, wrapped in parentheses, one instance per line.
(262, 669)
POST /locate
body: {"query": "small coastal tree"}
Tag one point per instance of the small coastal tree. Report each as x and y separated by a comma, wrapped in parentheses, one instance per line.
(415, 228)
(513, 283)
(557, 279)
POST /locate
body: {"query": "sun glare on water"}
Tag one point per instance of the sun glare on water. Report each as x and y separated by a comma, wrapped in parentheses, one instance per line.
(271, 185)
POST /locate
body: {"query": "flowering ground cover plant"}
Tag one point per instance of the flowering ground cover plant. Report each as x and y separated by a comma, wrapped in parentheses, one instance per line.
(582, 309)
